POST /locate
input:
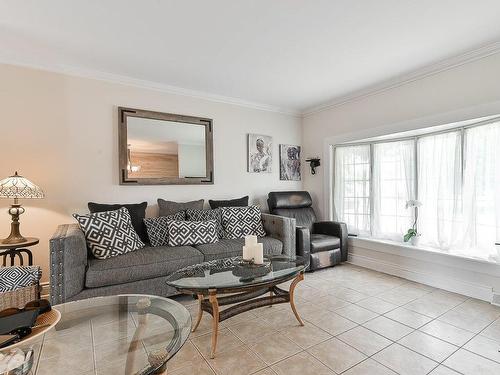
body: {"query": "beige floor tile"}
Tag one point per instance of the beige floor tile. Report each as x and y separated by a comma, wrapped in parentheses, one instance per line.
(396, 297)
(442, 370)
(376, 305)
(337, 355)
(404, 361)
(306, 336)
(429, 306)
(78, 363)
(187, 356)
(65, 346)
(346, 294)
(388, 328)
(408, 317)
(484, 346)
(198, 368)
(253, 330)
(272, 349)
(447, 332)
(332, 303)
(468, 363)
(465, 320)
(492, 331)
(281, 319)
(301, 364)
(356, 313)
(241, 361)
(226, 340)
(334, 324)
(364, 340)
(114, 353)
(266, 371)
(369, 367)
(430, 346)
(480, 309)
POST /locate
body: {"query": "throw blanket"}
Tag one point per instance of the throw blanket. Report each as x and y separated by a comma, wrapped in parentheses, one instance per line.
(12, 278)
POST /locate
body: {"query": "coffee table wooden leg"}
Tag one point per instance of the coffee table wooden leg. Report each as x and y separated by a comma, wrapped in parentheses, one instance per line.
(299, 278)
(212, 297)
(200, 312)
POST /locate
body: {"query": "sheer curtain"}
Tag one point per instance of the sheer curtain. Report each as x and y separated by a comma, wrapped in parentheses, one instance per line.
(352, 188)
(393, 186)
(439, 189)
(481, 191)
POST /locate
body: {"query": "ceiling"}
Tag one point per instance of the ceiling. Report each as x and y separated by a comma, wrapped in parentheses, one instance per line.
(288, 55)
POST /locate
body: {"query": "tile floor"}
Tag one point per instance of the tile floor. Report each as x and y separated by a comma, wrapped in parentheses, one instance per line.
(358, 322)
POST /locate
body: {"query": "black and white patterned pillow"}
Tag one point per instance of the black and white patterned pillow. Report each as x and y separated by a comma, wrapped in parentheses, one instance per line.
(239, 222)
(157, 228)
(204, 215)
(183, 233)
(109, 233)
(12, 278)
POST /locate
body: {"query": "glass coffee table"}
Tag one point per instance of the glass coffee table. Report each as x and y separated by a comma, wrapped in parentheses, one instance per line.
(124, 334)
(247, 286)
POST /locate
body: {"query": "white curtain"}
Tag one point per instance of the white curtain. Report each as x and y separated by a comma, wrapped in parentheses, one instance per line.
(439, 189)
(393, 186)
(481, 192)
(351, 192)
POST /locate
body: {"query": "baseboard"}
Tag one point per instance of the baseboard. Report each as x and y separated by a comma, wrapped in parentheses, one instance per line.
(482, 292)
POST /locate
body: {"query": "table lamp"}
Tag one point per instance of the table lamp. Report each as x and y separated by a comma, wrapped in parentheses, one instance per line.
(17, 187)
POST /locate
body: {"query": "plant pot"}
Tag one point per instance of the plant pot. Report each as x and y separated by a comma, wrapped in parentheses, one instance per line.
(415, 240)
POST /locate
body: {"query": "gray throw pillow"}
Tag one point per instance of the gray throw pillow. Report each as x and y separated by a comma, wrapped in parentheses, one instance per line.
(185, 233)
(109, 233)
(203, 215)
(239, 222)
(157, 228)
(170, 208)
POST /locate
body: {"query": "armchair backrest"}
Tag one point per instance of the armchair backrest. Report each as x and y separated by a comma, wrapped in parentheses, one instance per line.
(295, 204)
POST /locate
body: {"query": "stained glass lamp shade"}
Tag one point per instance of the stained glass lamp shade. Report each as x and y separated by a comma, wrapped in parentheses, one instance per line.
(17, 187)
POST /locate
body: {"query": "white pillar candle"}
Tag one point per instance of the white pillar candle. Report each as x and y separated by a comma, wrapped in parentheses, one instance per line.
(248, 252)
(250, 240)
(258, 255)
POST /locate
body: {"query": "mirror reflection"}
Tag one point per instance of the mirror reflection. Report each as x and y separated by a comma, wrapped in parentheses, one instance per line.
(165, 149)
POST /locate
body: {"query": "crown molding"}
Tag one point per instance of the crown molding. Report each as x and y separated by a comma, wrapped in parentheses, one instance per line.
(426, 71)
(150, 85)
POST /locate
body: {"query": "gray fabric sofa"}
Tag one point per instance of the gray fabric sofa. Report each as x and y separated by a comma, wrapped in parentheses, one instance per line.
(75, 275)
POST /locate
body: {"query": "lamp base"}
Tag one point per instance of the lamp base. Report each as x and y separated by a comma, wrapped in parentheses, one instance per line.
(15, 236)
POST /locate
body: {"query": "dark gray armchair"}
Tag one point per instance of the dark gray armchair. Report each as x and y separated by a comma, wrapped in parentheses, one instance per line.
(324, 242)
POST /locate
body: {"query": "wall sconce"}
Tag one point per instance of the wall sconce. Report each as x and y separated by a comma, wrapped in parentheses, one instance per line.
(313, 163)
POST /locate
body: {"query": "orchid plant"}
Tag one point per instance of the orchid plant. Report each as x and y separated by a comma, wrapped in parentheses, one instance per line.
(412, 232)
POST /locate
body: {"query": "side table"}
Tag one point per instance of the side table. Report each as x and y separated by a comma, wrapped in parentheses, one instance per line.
(17, 249)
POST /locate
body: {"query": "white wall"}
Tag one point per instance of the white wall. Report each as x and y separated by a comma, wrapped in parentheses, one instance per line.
(468, 91)
(62, 133)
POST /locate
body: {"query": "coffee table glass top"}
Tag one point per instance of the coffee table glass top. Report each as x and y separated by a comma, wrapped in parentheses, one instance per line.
(228, 273)
(126, 334)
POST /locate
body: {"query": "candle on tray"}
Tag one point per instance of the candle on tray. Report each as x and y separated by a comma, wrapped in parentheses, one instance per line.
(250, 240)
(248, 252)
(258, 254)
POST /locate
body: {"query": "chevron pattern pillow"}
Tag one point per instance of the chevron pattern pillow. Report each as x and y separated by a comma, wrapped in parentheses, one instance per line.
(184, 233)
(12, 278)
(109, 233)
(204, 215)
(239, 222)
(158, 230)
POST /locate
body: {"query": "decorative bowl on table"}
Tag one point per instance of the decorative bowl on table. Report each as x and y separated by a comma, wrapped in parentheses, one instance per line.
(248, 270)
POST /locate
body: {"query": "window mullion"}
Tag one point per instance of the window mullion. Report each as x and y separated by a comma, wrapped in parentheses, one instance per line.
(371, 200)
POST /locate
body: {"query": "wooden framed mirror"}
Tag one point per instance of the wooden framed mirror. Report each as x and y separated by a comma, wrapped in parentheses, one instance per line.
(157, 148)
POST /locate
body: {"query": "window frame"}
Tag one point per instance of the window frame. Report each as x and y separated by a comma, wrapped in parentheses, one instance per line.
(461, 129)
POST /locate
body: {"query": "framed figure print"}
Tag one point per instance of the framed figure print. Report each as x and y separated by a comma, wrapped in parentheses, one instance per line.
(260, 153)
(290, 163)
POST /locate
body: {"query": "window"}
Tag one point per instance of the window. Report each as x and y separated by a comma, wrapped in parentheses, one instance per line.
(393, 186)
(455, 174)
(352, 187)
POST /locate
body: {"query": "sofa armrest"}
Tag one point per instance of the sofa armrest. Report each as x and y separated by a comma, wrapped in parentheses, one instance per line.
(333, 228)
(68, 263)
(282, 228)
(304, 242)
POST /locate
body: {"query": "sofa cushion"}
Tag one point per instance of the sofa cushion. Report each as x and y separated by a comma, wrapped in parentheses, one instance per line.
(169, 208)
(109, 234)
(181, 233)
(137, 214)
(238, 202)
(322, 242)
(203, 215)
(146, 263)
(158, 230)
(239, 222)
(226, 248)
